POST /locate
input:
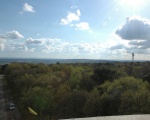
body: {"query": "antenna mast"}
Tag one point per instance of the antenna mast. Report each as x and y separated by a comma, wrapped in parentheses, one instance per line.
(132, 57)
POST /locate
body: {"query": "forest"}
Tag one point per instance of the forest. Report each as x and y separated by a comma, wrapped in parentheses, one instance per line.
(61, 91)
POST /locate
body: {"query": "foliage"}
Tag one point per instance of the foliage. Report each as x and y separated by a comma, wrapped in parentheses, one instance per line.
(80, 90)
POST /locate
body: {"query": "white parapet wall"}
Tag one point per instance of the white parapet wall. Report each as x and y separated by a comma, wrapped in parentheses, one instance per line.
(122, 117)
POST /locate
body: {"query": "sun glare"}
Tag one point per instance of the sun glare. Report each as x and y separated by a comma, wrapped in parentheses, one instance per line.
(132, 3)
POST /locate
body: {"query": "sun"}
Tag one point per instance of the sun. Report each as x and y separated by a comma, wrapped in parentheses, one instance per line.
(132, 3)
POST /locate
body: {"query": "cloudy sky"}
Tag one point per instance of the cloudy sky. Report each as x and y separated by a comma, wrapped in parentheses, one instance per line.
(75, 29)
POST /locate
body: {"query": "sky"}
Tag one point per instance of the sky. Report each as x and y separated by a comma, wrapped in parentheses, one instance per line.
(75, 29)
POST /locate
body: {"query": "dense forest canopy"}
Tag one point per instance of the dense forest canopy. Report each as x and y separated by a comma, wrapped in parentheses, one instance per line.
(80, 90)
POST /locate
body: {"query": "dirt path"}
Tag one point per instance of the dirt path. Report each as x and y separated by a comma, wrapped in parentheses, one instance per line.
(3, 115)
(6, 98)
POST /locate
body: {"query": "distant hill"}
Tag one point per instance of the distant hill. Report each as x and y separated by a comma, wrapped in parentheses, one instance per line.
(53, 61)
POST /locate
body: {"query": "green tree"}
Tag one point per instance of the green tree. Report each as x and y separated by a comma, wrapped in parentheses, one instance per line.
(121, 94)
(135, 101)
(63, 99)
(41, 100)
(102, 74)
(92, 106)
(75, 78)
(77, 101)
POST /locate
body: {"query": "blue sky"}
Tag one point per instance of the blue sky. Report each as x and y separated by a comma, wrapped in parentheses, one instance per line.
(75, 29)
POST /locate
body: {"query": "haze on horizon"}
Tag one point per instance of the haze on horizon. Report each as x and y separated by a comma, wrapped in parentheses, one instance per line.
(75, 29)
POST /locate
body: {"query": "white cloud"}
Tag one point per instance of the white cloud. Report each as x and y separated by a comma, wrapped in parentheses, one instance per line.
(118, 46)
(73, 20)
(28, 8)
(59, 48)
(114, 48)
(33, 41)
(135, 28)
(64, 22)
(2, 46)
(15, 47)
(11, 35)
(132, 47)
(22, 48)
(138, 51)
(83, 26)
(78, 12)
(71, 17)
(18, 50)
(136, 31)
(6, 40)
(142, 44)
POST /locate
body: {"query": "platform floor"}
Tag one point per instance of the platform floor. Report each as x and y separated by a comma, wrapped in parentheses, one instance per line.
(123, 117)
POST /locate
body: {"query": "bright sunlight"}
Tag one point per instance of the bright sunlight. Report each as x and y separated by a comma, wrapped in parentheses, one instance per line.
(132, 3)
